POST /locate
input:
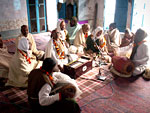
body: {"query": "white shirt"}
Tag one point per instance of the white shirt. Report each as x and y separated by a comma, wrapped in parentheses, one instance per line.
(45, 99)
(50, 52)
(142, 58)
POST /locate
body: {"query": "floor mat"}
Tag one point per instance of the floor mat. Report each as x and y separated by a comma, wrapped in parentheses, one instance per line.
(88, 82)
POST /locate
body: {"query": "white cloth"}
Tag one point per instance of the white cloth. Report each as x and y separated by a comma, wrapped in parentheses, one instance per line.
(63, 35)
(94, 33)
(80, 41)
(114, 36)
(37, 53)
(24, 45)
(124, 51)
(5, 59)
(142, 57)
(72, 32)
(20, 67)
(46, 99)
(50, 52)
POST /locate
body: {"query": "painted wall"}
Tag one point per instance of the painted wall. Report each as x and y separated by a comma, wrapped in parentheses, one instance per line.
(140, 17)
(13, 14)
(109, 13)
(52, 17)
(100, 15)
(86, 11)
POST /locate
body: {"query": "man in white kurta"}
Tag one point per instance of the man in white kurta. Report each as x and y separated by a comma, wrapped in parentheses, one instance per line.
(25, 33)
(56, 49)
(21, 64)
(61, 27)
(141, 52)
(73, 27)
(81, 37)
(47, 88)
(113, 38)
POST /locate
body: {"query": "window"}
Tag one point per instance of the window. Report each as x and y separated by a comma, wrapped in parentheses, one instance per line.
(67, 11)
(37, 16)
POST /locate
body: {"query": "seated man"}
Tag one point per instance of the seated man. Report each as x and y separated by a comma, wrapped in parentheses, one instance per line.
(127, 39)
(113, 38)
(25, 33)
(56, 49)
(5, 58)
(50, 91)
(141, 52)
(21, 64)
(61, 27)
(73, 27)
(126, 46)
(81, 37)
(96, 41)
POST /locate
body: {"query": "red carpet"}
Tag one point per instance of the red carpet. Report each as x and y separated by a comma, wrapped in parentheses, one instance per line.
(129, 97)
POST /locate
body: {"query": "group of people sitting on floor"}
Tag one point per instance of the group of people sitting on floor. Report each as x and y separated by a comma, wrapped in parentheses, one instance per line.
(41, 71)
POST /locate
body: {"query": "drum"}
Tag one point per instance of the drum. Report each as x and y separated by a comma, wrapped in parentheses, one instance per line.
(122, 65)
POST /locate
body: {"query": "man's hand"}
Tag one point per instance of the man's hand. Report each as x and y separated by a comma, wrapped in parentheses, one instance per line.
(61, 69)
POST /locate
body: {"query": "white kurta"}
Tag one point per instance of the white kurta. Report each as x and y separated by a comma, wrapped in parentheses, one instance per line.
(46, 99)
(34, 50)
(50, 52)
(114, 36)
(19, 67)
(72, 31)
(142, 57)
(80, 41)
(113, 40)
(5, 58)
(19, 70)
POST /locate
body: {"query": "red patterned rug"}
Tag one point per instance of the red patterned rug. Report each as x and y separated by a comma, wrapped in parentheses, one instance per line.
(88, 82)
(130, 95)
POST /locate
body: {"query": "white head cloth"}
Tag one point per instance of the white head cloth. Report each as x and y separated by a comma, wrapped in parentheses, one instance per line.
(63, 36)
(94, 33)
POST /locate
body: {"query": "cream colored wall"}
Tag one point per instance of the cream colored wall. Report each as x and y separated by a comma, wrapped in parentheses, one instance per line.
(52, 18)
(86, 11)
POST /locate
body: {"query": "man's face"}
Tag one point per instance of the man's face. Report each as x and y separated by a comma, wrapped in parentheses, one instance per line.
(56, 34)
(25, 31)
(99, 33)
(72, 23)
(62, 25)
(85, 29)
